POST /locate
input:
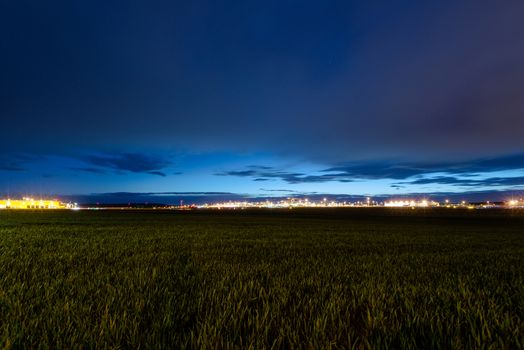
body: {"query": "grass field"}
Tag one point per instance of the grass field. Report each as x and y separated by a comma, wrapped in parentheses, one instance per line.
(316, 279)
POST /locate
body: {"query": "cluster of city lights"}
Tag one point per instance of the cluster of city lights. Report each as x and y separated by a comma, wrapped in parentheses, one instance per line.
(31, 203)
(285, 203)
(368, 202)
(515, 203)
(411, 203)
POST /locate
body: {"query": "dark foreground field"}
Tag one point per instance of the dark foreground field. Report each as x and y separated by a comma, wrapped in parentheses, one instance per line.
(264, 279)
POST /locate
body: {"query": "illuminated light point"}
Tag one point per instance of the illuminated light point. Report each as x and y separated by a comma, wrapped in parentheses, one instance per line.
(513, 203)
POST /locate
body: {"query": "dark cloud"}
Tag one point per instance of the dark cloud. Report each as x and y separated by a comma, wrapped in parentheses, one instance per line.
(380, 170)
(10, 167)
(403, 170)
(443, 180)
(396, 171)
(244, 173)
(260, 167)
(158, 173)
(515, 161)
(125, 162)
(269, 173)
(488, 182)
(90, 170)
(16, 162)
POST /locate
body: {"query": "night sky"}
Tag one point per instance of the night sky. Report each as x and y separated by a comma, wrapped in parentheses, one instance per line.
(160, 100)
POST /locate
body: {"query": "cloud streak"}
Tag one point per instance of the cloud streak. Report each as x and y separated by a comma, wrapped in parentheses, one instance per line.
(268, 173)
(16, 162)
(124, 163)
(378, 170)
(449, 180)
(401, 170)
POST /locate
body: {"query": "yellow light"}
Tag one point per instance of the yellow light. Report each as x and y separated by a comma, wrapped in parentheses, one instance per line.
(30, 203)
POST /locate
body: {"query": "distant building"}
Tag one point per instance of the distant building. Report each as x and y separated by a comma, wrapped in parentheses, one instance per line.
(30, 203)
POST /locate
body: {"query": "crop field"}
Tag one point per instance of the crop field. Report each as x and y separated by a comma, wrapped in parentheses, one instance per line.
(316, 279)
